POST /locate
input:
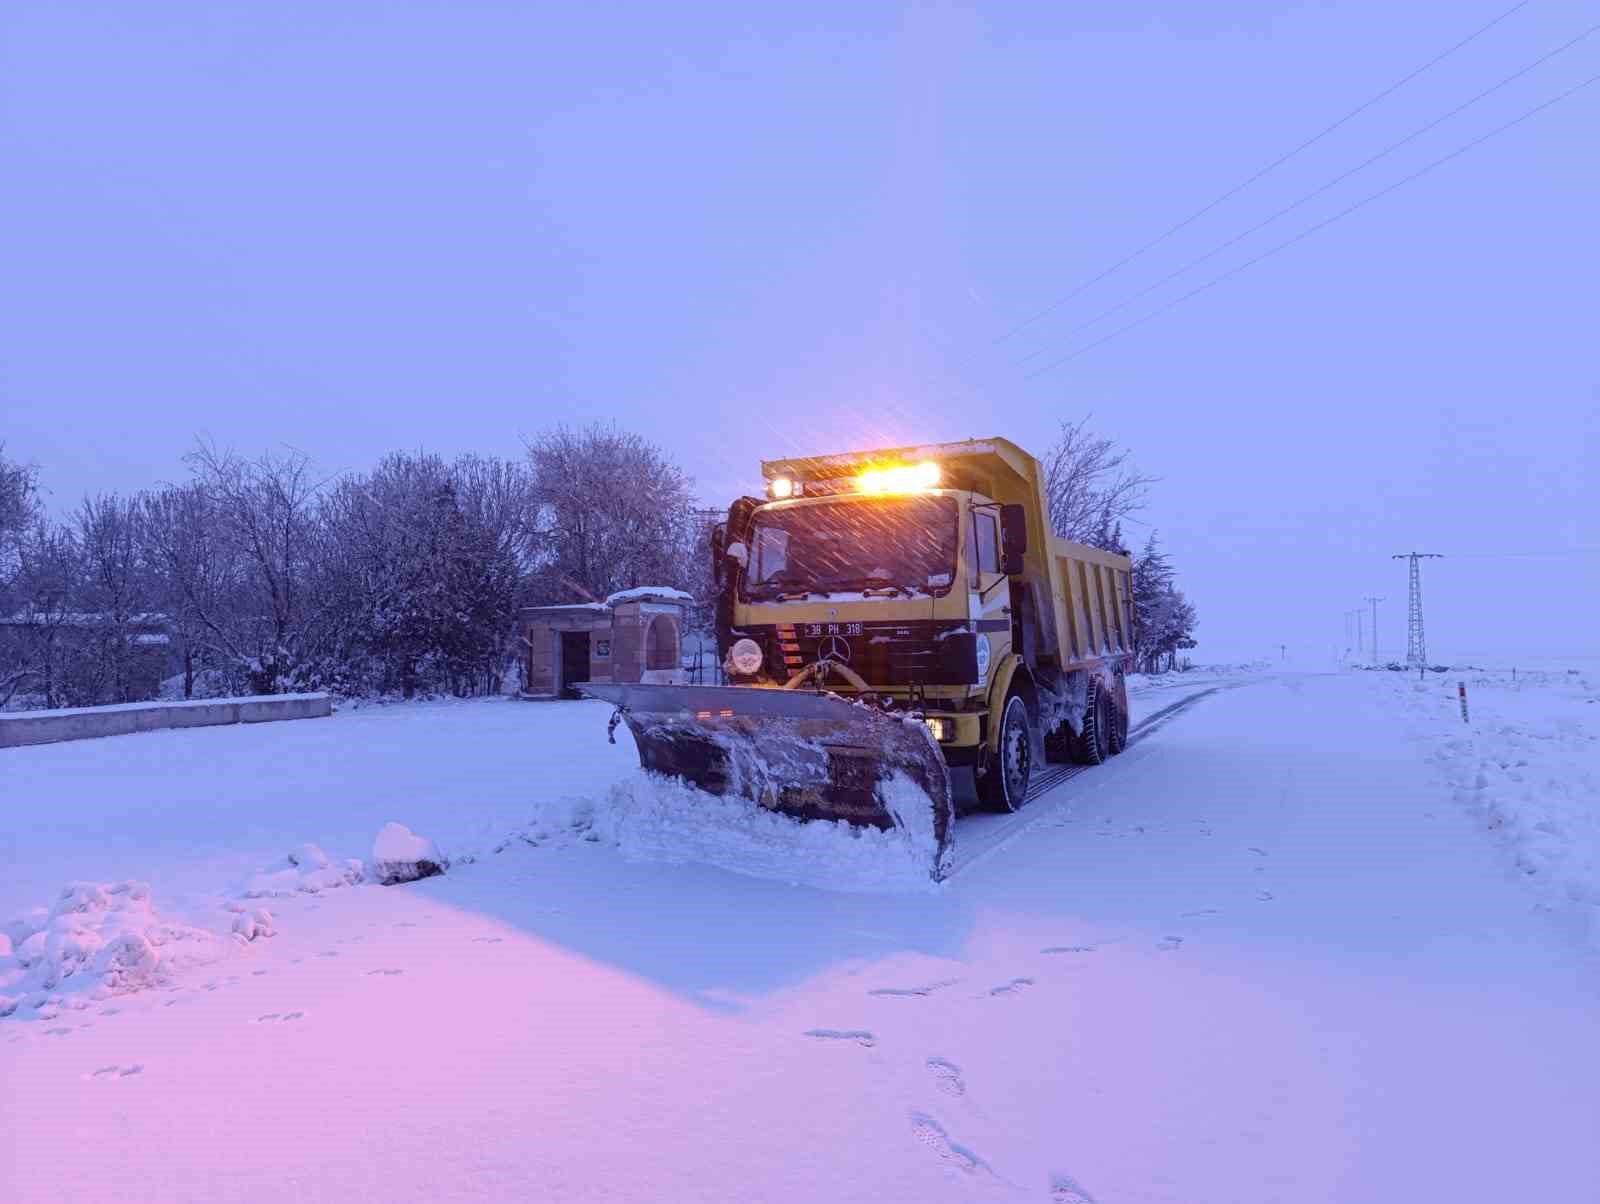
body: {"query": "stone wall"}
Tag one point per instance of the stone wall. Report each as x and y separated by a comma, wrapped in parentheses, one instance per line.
(83, 723)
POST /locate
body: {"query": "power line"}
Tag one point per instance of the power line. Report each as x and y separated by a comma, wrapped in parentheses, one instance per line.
(1318, 191)
(1249, 180)
(1517, 555)
(1310, 230)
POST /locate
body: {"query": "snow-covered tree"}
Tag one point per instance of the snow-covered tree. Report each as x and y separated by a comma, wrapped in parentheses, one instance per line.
(266, 512)
(115, 602)
(1164, 620)
(1091, 486)
(193, 572)
(612, 512)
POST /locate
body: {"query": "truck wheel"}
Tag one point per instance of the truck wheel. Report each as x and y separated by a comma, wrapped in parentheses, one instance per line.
(1119, 717)
(1093, 745)
(1005, 786)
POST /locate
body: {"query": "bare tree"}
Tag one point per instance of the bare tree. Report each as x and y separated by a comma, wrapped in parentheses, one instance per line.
(1091, 486)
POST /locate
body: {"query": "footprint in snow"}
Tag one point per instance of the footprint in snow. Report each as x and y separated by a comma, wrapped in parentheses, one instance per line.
(910, 992)
(327, 953)
(487, 940)
(271, 1017)
(859, 1035)
(1012, 987)
(1204, 911)
(1168, 943)
(1265, 896)
(116, 1072)
(389, 973)
(1064, 1189)
(257, 973)
(1257, 852)
(404, 924)
(57, 1032)
(947, 1076)
(1069, 948)
(932, 1134)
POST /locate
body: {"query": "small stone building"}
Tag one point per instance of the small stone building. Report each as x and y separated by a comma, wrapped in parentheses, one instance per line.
(632, 636)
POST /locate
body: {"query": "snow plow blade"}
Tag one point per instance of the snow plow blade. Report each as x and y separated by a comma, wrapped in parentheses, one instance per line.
(807, 755)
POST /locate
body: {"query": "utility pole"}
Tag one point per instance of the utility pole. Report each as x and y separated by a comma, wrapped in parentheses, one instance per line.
(1361, 632)
(1374, 602)
(1416, 648)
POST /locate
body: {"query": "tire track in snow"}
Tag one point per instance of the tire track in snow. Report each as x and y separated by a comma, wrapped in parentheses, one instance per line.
(977, 836)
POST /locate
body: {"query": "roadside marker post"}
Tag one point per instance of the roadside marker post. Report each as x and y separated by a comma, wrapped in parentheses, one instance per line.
(1461, 689)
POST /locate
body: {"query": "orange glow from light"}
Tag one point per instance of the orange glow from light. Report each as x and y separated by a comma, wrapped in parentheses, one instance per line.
(899, 478)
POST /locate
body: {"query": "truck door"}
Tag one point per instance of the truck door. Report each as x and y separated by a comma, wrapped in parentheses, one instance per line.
(991, 596)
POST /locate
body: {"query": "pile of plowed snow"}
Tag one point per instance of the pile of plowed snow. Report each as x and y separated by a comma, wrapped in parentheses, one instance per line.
(1527, 767)
(650, 818)
(102, 939)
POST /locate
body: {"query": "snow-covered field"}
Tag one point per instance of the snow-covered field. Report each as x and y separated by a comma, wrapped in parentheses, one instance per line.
(1287, 947)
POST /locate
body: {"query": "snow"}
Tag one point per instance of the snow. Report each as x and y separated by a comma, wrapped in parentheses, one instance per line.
(400, 855)
(649, 593)
(650, 819)
(1275, 951)
(1526, 768)
(97, 940)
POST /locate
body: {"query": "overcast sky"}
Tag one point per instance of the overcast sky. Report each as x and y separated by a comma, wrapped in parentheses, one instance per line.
(748, 230)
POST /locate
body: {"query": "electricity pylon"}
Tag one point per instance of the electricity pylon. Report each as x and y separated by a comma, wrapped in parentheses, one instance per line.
(1416, 648)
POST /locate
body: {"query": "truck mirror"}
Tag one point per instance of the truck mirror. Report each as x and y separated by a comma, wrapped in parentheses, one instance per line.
(1013, 538)
(738, 553)
(719, 533)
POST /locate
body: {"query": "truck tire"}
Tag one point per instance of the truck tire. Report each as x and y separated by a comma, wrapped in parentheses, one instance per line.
(1093, 743)
(1119, 716)
(1004, 787)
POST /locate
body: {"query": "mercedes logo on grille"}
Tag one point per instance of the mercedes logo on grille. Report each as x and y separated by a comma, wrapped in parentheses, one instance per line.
(834, 648)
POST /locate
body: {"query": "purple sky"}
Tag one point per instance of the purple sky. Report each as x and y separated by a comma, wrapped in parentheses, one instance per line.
(751, 230)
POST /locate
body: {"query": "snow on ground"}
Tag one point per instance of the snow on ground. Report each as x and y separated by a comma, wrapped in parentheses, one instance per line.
(200, 818)
(1263, 955)
(1526, 766)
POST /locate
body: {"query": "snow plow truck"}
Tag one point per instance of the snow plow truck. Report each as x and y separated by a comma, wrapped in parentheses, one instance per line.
(896, 613)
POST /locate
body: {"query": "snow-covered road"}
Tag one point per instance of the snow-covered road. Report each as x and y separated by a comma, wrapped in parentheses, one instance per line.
(1263, 956)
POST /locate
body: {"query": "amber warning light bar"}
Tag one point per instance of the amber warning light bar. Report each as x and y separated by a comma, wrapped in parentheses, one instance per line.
(880, 478)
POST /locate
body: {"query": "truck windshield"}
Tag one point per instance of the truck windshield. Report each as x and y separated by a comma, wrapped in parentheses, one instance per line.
(889, 543)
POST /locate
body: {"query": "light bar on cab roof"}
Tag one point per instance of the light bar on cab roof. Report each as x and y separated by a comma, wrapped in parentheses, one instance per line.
(899, 478)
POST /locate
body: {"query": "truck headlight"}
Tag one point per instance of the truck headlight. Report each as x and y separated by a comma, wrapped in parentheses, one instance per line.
(745, 656)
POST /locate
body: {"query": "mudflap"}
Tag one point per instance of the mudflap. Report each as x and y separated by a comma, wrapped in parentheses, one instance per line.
(807, 755)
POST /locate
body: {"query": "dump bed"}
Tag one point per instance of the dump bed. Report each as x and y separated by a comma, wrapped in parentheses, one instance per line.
(1082, 596)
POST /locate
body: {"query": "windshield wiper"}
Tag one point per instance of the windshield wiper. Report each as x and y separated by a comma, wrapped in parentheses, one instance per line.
(876, 585)
(785, 587)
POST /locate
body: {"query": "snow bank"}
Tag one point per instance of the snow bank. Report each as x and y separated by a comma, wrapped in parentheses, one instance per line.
(306, 870)
(650, 818)
(400, 855)
(98, 939)
(1527, 767)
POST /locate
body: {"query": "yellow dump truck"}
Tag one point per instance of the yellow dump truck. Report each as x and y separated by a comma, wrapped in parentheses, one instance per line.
(897, 612)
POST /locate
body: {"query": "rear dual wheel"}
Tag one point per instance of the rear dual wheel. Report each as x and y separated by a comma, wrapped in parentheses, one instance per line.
(1119, 716)
(1105, 723)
